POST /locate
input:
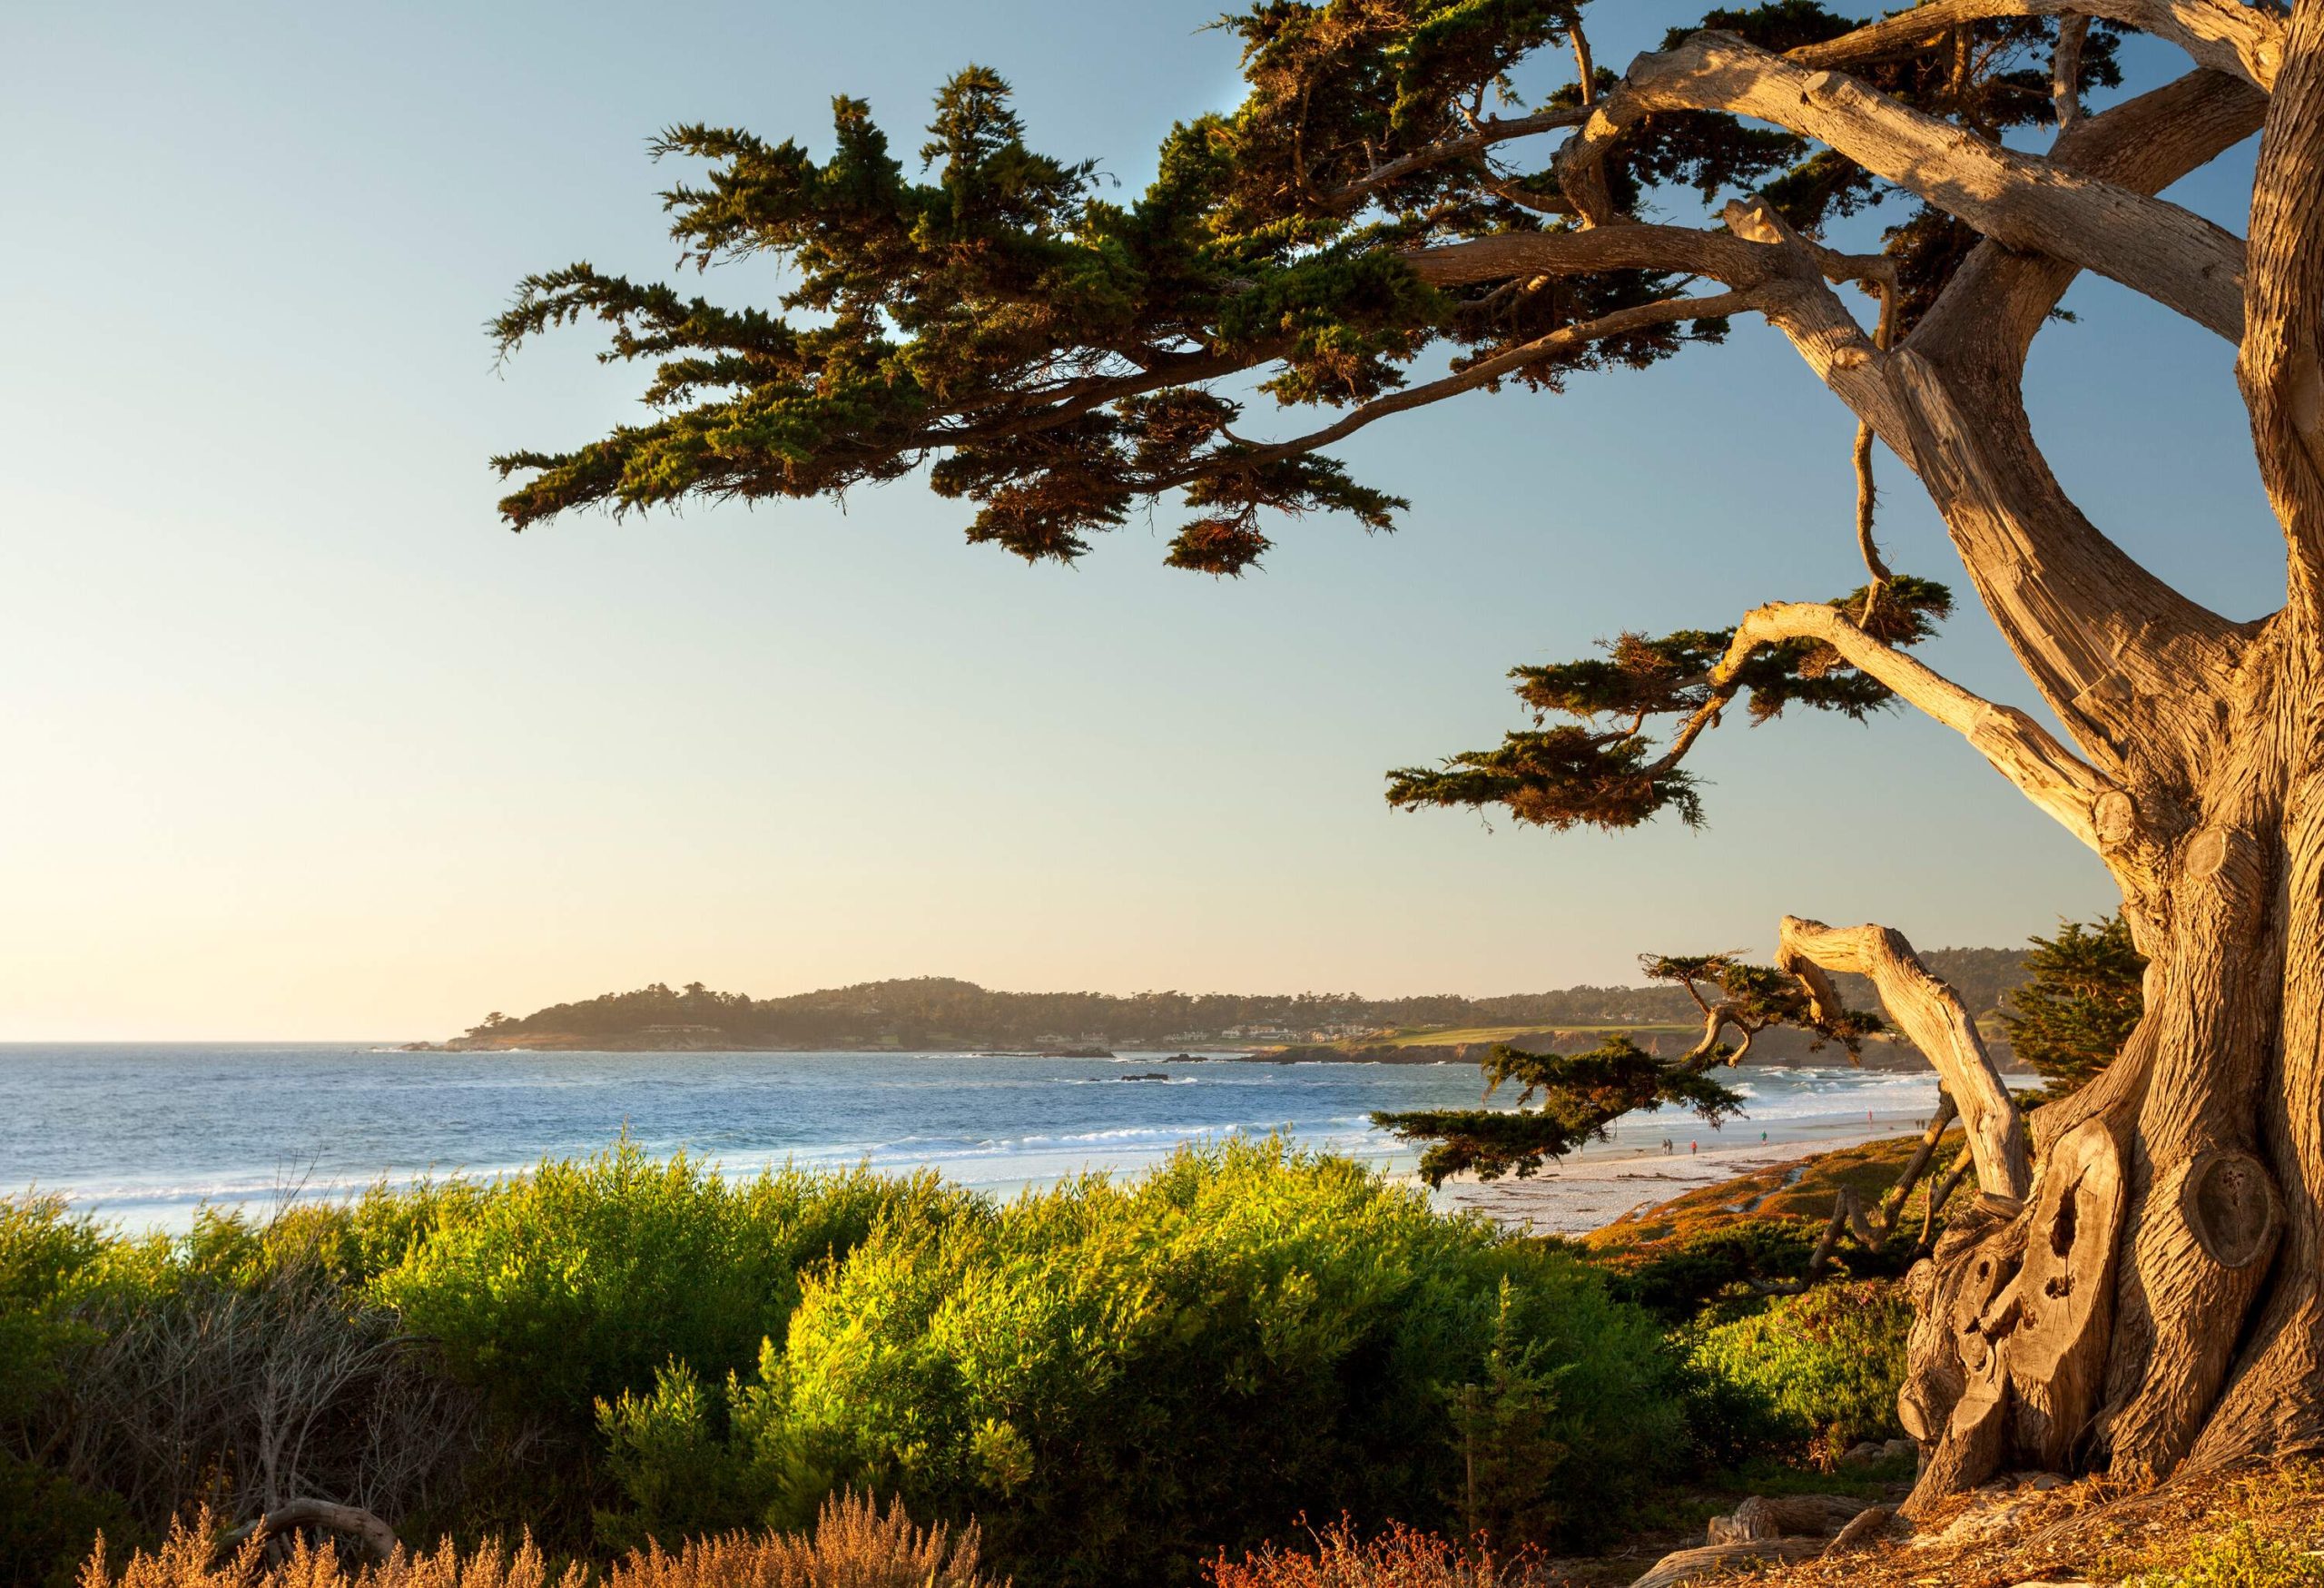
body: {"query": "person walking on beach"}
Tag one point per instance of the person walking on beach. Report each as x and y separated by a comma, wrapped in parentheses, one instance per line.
(1693, 1148)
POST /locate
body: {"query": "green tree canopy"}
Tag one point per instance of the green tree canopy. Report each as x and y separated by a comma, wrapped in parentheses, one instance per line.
(2083, 996)
(1376, 227)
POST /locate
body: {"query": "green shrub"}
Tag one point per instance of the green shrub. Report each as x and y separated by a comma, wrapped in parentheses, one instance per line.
(1820, 1369)
(47, 1522)
(1122, 1380)
(49, 1258)
(578, 1281)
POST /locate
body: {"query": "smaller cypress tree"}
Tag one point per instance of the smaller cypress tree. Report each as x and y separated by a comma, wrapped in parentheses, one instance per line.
(2083, 993)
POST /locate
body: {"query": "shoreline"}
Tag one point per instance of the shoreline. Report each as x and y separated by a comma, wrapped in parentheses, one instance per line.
(1607, 1183)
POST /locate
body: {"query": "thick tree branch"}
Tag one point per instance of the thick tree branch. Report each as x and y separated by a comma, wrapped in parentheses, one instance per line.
(2281, 364)
(2065, 70)
(1932, 1014)
(2001, 297)
(2017, 746)
(2153, 247)
(2245, 41)
(350, 1521)
(1717, 1019)
(2102, 638)
(1739, 256)
(1682, 249)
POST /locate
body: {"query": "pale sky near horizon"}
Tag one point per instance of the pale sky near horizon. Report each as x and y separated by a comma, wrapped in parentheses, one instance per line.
(303, 743)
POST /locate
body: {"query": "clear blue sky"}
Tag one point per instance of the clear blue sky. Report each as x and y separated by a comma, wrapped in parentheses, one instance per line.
(301, 743)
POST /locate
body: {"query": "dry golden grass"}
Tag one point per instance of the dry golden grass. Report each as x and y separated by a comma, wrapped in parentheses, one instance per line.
(853, 1545)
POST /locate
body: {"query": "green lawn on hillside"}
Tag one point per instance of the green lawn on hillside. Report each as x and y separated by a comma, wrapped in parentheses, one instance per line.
(1425, 1036)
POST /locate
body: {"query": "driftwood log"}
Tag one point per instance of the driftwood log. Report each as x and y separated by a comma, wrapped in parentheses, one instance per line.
(346, 1520)
(1718, 1560)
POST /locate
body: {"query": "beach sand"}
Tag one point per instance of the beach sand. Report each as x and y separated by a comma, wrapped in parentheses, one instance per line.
(1593, 1187)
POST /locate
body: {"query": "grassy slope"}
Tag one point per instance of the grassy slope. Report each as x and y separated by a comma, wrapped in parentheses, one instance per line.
(1804, 1188)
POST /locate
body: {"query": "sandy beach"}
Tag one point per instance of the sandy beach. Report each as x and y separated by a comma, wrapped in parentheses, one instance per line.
(1595, 1187)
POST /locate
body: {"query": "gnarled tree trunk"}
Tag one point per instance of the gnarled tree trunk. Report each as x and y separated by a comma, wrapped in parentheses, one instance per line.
(2156, 1297)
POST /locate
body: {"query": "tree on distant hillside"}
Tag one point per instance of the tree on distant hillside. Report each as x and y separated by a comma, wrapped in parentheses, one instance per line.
(2082, 999)
(1384, 223)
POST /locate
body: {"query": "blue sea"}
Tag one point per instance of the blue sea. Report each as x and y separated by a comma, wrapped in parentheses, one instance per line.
(144, 1134)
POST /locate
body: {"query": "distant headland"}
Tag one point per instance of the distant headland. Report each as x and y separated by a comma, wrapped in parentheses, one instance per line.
(942, 1015)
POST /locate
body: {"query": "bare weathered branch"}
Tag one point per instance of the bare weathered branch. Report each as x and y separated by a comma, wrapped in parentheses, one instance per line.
(2065, 70)
(1892, 1206)
(2104, 639)
(349, 1521)
(2152, 246)
(1932, 1014)
(1727, 257)
(2245, 41)
(2017, 746)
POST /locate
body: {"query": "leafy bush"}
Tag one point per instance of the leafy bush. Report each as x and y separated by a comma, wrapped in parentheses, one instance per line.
(1820, 1369)
(46, 1520)
(576, 1282)
(1123, 1379)
(233, 1365)
(48, 1261)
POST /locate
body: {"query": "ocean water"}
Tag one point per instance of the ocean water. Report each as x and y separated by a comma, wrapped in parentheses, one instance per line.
(145, 1134)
